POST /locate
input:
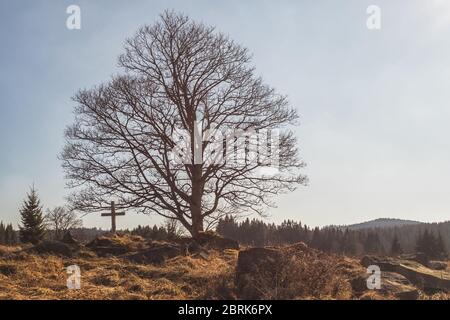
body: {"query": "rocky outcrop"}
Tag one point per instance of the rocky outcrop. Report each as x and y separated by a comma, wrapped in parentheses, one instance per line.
(393, 285)
(397, 285)
(437, 265)
(139, 250)
(253, 265)
(418, 274)
(70, 240)
(157, 253)
(419, 257)
(116, 244)
(210, 240)
(54, 248)
(285, 272)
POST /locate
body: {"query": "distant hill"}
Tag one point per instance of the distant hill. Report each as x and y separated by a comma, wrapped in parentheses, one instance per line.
(382, 223)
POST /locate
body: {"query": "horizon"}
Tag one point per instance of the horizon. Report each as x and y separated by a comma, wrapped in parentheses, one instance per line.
(372, 103)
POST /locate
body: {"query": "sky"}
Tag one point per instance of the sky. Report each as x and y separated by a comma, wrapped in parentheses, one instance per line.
(374, 104)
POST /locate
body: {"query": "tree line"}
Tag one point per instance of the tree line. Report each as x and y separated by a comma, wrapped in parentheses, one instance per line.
(431, 239)
(8, 236)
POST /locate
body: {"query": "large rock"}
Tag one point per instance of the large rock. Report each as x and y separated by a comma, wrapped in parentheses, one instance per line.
(157, 253)
(255, 265)
(415, 272)
(419, 257)
(392, 285)
(422, 258)
(397, 285)
(279, 273)
(211, 240)
(437, 265)
(116, 244)
(70, 240)
(54, 248)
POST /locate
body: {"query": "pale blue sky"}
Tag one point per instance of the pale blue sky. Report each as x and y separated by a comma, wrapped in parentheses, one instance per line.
(374, 104)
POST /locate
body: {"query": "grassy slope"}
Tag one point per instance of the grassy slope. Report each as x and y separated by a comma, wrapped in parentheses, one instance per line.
(44, 277)
(30, 276)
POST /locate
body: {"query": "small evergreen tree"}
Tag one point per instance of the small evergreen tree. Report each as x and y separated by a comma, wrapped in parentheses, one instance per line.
(33, 227)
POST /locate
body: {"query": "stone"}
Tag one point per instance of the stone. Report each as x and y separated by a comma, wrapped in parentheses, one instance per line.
(419, 257)
(397, 285)
(115, 244)
(359, 284)
(256, 263)
(204, 255)
(156, 254)
(211, 240)
(437, 265)
(70, 240)
(54, 248)
(418, 274)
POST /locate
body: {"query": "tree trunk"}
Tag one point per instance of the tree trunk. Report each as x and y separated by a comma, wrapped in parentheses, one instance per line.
(197, 224)
(196, 205)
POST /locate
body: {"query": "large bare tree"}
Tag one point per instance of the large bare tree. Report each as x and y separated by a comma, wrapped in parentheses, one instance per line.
(181, 76)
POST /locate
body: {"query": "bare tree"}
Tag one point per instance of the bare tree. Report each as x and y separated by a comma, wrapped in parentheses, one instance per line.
(179, 74)
(61, 220)
(173, 228)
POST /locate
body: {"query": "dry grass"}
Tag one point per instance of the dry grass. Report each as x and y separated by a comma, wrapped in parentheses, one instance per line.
(28, 276)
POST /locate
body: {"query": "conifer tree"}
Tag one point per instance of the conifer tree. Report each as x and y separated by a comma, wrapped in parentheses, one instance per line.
(33, 227)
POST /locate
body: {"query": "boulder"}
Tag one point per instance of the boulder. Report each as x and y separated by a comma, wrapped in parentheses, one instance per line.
(116, 244)
(359, 284)
(211, 240)
(397, 285)
(157, 254)
(70, 240)
(437, 265)
(280, 272)
(416, 273)
(53, 247)
(254, 265)
(419, 257)
(392, 285)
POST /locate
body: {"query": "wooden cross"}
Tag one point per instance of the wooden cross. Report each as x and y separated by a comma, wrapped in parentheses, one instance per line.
(113, 215)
